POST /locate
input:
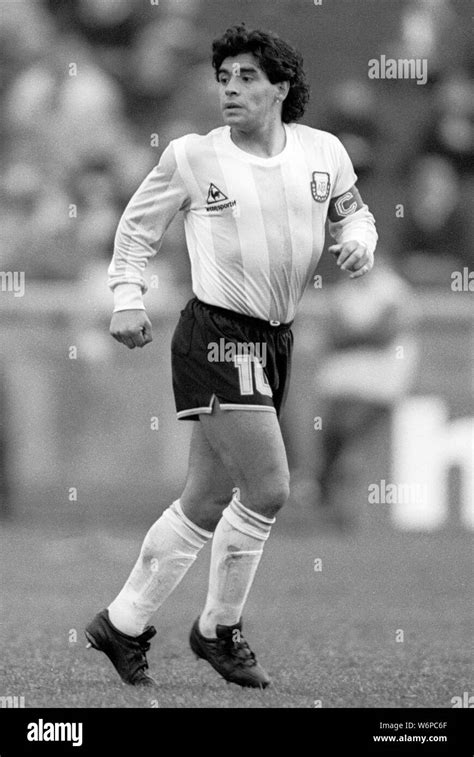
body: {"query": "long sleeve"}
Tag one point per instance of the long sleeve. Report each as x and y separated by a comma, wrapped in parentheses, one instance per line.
(141, 229)
(359, 226)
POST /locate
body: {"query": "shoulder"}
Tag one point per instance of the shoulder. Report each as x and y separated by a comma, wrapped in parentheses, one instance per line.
(195, 143)
(316, 137)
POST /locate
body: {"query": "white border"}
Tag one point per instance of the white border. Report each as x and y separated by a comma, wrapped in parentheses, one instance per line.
(248, 407)
(208, 408)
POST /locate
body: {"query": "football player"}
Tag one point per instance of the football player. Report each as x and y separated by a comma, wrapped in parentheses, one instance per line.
(255, 194)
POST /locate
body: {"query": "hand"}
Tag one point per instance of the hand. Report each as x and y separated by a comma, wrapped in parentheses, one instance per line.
(131, 327)
(353, 256)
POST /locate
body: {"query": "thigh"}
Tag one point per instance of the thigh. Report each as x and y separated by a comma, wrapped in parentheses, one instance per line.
(208, 486)
(250, 445)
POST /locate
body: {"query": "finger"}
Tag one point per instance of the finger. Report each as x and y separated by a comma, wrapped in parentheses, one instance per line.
(347, 250)
(360, 272)
(335, 249)
(119, 337)
(356, 260)
(363, 261)
(147, 335)
(128, 342)
(138, 339)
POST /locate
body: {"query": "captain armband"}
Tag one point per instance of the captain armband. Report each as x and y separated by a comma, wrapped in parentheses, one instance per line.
(345, 205)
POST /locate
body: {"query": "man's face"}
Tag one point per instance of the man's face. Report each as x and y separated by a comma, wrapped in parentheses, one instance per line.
(247, 97)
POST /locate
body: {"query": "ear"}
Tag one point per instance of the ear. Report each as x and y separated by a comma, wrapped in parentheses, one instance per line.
(283, 87)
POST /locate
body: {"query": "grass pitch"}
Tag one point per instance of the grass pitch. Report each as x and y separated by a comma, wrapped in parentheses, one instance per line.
(361, 620)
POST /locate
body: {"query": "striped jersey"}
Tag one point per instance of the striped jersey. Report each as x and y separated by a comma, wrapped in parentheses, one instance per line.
(254, 226)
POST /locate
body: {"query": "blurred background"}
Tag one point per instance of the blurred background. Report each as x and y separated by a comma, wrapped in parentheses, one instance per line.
(91, 92)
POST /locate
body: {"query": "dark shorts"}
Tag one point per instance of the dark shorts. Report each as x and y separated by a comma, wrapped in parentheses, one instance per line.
(242, 361)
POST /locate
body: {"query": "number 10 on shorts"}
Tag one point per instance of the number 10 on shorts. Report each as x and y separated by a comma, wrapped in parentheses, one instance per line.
(244, 364)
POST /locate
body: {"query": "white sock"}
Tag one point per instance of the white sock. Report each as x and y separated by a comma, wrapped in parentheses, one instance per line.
(169, 549)
(236, 551)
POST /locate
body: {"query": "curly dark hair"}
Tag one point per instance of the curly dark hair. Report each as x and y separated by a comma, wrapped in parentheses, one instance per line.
(279, 60)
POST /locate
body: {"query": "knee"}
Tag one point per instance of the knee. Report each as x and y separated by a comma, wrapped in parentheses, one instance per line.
(206, 501)
(204, 509)
(271, 495)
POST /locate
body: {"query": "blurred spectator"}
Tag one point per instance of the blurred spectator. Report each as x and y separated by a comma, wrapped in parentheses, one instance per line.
(95, 194)
(451, 131)
(104, 22)
(352, 117)
(434, 232)
(430, 29)
(368, 366)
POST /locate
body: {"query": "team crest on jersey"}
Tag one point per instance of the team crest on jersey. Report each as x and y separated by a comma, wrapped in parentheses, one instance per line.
(320, 186)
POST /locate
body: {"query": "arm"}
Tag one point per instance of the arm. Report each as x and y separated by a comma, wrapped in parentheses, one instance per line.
(139, 235)
(350, 222)
(352, 225)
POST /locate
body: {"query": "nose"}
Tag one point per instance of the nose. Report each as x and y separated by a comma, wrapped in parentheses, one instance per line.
(231, 86)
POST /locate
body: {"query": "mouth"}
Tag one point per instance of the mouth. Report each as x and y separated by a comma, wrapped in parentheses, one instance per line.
(232, 106)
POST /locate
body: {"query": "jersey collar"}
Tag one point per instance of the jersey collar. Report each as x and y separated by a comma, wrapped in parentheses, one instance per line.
(255, 159)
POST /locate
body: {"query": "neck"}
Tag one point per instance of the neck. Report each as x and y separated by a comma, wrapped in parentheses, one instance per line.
(265, 142)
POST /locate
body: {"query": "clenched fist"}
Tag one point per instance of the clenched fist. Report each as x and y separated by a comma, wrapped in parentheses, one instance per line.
(131, 327)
